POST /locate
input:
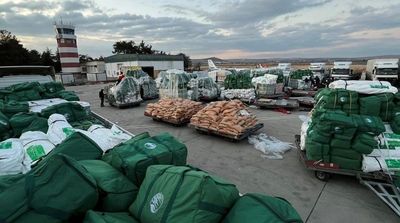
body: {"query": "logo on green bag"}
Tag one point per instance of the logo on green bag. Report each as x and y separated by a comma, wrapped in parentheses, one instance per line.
(150, 145)
(342, 99)
(368, 120)
(156, 202)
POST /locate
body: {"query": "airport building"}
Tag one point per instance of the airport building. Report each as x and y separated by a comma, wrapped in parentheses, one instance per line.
(151, 64)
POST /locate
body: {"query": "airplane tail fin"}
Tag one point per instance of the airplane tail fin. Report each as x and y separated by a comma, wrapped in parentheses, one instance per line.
(211, 65)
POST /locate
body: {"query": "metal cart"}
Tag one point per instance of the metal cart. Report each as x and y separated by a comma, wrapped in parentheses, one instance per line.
(382, 184)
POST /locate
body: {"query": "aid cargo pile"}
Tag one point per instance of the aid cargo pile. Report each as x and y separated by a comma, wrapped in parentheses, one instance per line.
(174, 84)
(125, 93)
(203, 88)
(175, 110)
(352, 128)
(148, 86)
(227, 117)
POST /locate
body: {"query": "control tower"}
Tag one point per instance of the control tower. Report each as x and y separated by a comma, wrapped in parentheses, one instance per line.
(67, 47)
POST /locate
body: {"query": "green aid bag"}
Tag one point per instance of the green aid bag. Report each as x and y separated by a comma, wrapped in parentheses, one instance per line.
(134, 156)
(79, 147)
(182, 194)
(257, 208)
(108, 217)
(369, 124)
(117, 193)
(58, 187)
(71, 110)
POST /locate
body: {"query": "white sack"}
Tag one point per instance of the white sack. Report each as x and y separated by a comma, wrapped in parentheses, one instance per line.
(59, 128)
(36, 144)
(372, 164)
(365, 87)
(12, 157)
(113, 136)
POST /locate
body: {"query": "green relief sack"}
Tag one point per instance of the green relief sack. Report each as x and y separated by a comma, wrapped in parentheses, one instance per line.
(182, 194)
(134, 156)
(117, 193)
(79, 147)
(58, 187)
(256, 208)
(108, 217)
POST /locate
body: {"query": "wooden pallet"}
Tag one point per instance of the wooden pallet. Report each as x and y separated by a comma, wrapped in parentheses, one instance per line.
(235, 138)
(170, 121)
(273, 104)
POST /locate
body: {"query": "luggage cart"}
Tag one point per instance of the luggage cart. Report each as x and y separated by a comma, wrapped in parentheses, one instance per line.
(379, 182)
(233, 138)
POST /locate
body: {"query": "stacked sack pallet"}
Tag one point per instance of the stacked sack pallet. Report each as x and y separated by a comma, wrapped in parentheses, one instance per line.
(227, 117)
(237, 85)
(176, 110)
(346, 126)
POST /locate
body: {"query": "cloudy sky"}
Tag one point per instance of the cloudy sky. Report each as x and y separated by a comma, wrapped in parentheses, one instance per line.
(222, 28)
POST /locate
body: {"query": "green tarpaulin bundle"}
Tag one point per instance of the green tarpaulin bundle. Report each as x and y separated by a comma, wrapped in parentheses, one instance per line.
(346, 163)
(364, 143)
(336, 122)
(387, 106)
(23, 122)
(347, 153)
(395, 124)
(182, 194)
(52, 89)
(337, 99)
(5, 128)
(59, 188)
(27, 91)
(13, 107)
(79, 147)
(371, 124)
(71, 110)
(134, 156)
(256, 208)
(108, 217)
(316, 150)
(117, 193)
(68, 95)
(340, 143)
(370, 106)
(299, 74)
(238, 80)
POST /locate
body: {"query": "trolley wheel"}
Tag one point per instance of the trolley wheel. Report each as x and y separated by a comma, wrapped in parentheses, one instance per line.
(322, 176)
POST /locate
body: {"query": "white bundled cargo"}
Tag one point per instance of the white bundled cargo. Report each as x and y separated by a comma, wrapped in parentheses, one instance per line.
(174, 84)
(242, 94)
(36, 144)
(203, 88)
(113, 136)
(365, 87)
(12, 157)
(126, 93)
(265, 85)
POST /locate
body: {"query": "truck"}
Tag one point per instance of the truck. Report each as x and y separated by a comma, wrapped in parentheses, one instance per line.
(341, 70)
(318, 69)
(383, 69)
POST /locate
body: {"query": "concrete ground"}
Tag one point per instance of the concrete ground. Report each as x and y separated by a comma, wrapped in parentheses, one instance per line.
(342, 199)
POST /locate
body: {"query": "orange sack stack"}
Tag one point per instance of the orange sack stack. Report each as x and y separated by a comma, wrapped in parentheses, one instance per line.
(178, 110)
(228, 117)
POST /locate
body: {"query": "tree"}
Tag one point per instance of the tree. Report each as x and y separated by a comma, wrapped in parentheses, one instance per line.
(84, 58)
(187, 62)
(11, 51)
(124, 47)
(49, 59)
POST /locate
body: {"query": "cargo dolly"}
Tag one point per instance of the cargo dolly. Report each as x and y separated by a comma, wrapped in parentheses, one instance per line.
(380, 183)
(233, 138)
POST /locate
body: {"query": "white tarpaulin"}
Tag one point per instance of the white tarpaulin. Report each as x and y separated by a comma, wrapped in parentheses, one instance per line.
(365, 87)
(36, 144)
(39, 105)
(12, 157)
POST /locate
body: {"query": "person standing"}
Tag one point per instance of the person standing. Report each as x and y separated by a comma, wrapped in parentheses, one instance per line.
(101, 96)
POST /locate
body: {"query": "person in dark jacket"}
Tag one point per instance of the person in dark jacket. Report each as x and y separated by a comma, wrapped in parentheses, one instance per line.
(101, 96)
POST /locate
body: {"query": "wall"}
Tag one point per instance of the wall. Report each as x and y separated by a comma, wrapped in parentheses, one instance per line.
(112, 69)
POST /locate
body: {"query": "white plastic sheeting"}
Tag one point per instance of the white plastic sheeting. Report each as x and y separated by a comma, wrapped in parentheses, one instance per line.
(39, 105)
(272, 147)
(113, 136)
(12, 157)
(127, 92)
(365, 87)
(303, 132)
(36, 144)
(174, 84)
